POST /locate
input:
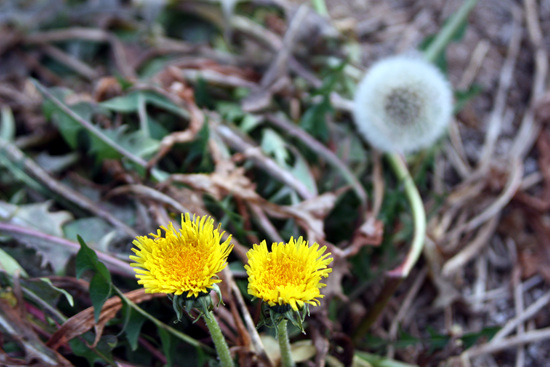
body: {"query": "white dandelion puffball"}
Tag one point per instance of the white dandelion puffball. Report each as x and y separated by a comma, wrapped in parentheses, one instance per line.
(403, 104)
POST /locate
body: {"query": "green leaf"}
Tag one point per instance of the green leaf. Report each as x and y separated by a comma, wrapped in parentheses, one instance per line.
(127, 103)
(273, 144)
(314, 120)
(133, 327)
(249, 123)
(38, 216)
(463, 96)
(199, 149)
(102, 141)
(100, 285)
(470, 339)
(9, 265)
(437, 341)
(101, 353)
(67, 295)
(135, 142)
(167, 345)
(80, 349)
(301, 171)
(130, 103)
(86, 258)
(97, 231)
(100, 290)
(377, 361)
(7, 129)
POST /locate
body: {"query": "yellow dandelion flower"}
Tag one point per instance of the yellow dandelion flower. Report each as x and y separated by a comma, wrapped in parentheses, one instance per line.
(182, 261)
(288, 275)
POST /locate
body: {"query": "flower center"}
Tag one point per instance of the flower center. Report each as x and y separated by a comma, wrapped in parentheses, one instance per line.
(179, 259)
(403, 106)
(284, 273)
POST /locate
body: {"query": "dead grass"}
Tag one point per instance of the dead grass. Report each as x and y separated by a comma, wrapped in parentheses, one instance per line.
(486, 190)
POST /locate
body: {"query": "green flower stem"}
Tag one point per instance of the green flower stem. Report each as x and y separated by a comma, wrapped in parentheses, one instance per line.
(419, 215)
(399, 167)
(159, 324)
(396, 276)
(219, 340)
(284, 344)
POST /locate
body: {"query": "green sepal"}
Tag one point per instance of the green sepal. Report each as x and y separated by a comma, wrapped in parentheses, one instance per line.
(273, 315)
(203, 303)
(218, 291)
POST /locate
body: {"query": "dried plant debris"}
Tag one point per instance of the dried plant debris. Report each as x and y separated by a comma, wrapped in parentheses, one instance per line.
(117, 117)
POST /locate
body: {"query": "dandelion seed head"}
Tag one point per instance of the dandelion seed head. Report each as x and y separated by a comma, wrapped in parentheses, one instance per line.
(402, 104)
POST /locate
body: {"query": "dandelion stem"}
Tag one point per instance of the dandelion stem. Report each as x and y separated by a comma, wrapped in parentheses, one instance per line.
(159, 324)
(396, 276)
(399, 167)
(219, 340)
(284, 344)
(419, 215)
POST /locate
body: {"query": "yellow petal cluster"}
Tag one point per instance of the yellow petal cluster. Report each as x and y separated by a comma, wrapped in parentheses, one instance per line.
(184, 260)
(289, 274)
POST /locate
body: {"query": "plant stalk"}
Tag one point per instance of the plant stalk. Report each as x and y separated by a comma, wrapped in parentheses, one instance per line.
(219, 340)
(394, 277)
(399, 167)
(284, 344)
(402, 173)
(159, 324)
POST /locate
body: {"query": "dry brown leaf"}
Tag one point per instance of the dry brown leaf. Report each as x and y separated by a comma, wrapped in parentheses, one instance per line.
(22, 331)
(84, 320)
(309, 214)
(225, 180)
(369, 233)
(340, 269)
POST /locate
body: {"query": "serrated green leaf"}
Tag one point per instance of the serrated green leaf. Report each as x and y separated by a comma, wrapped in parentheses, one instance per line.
(100, 290)
(38, 216)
